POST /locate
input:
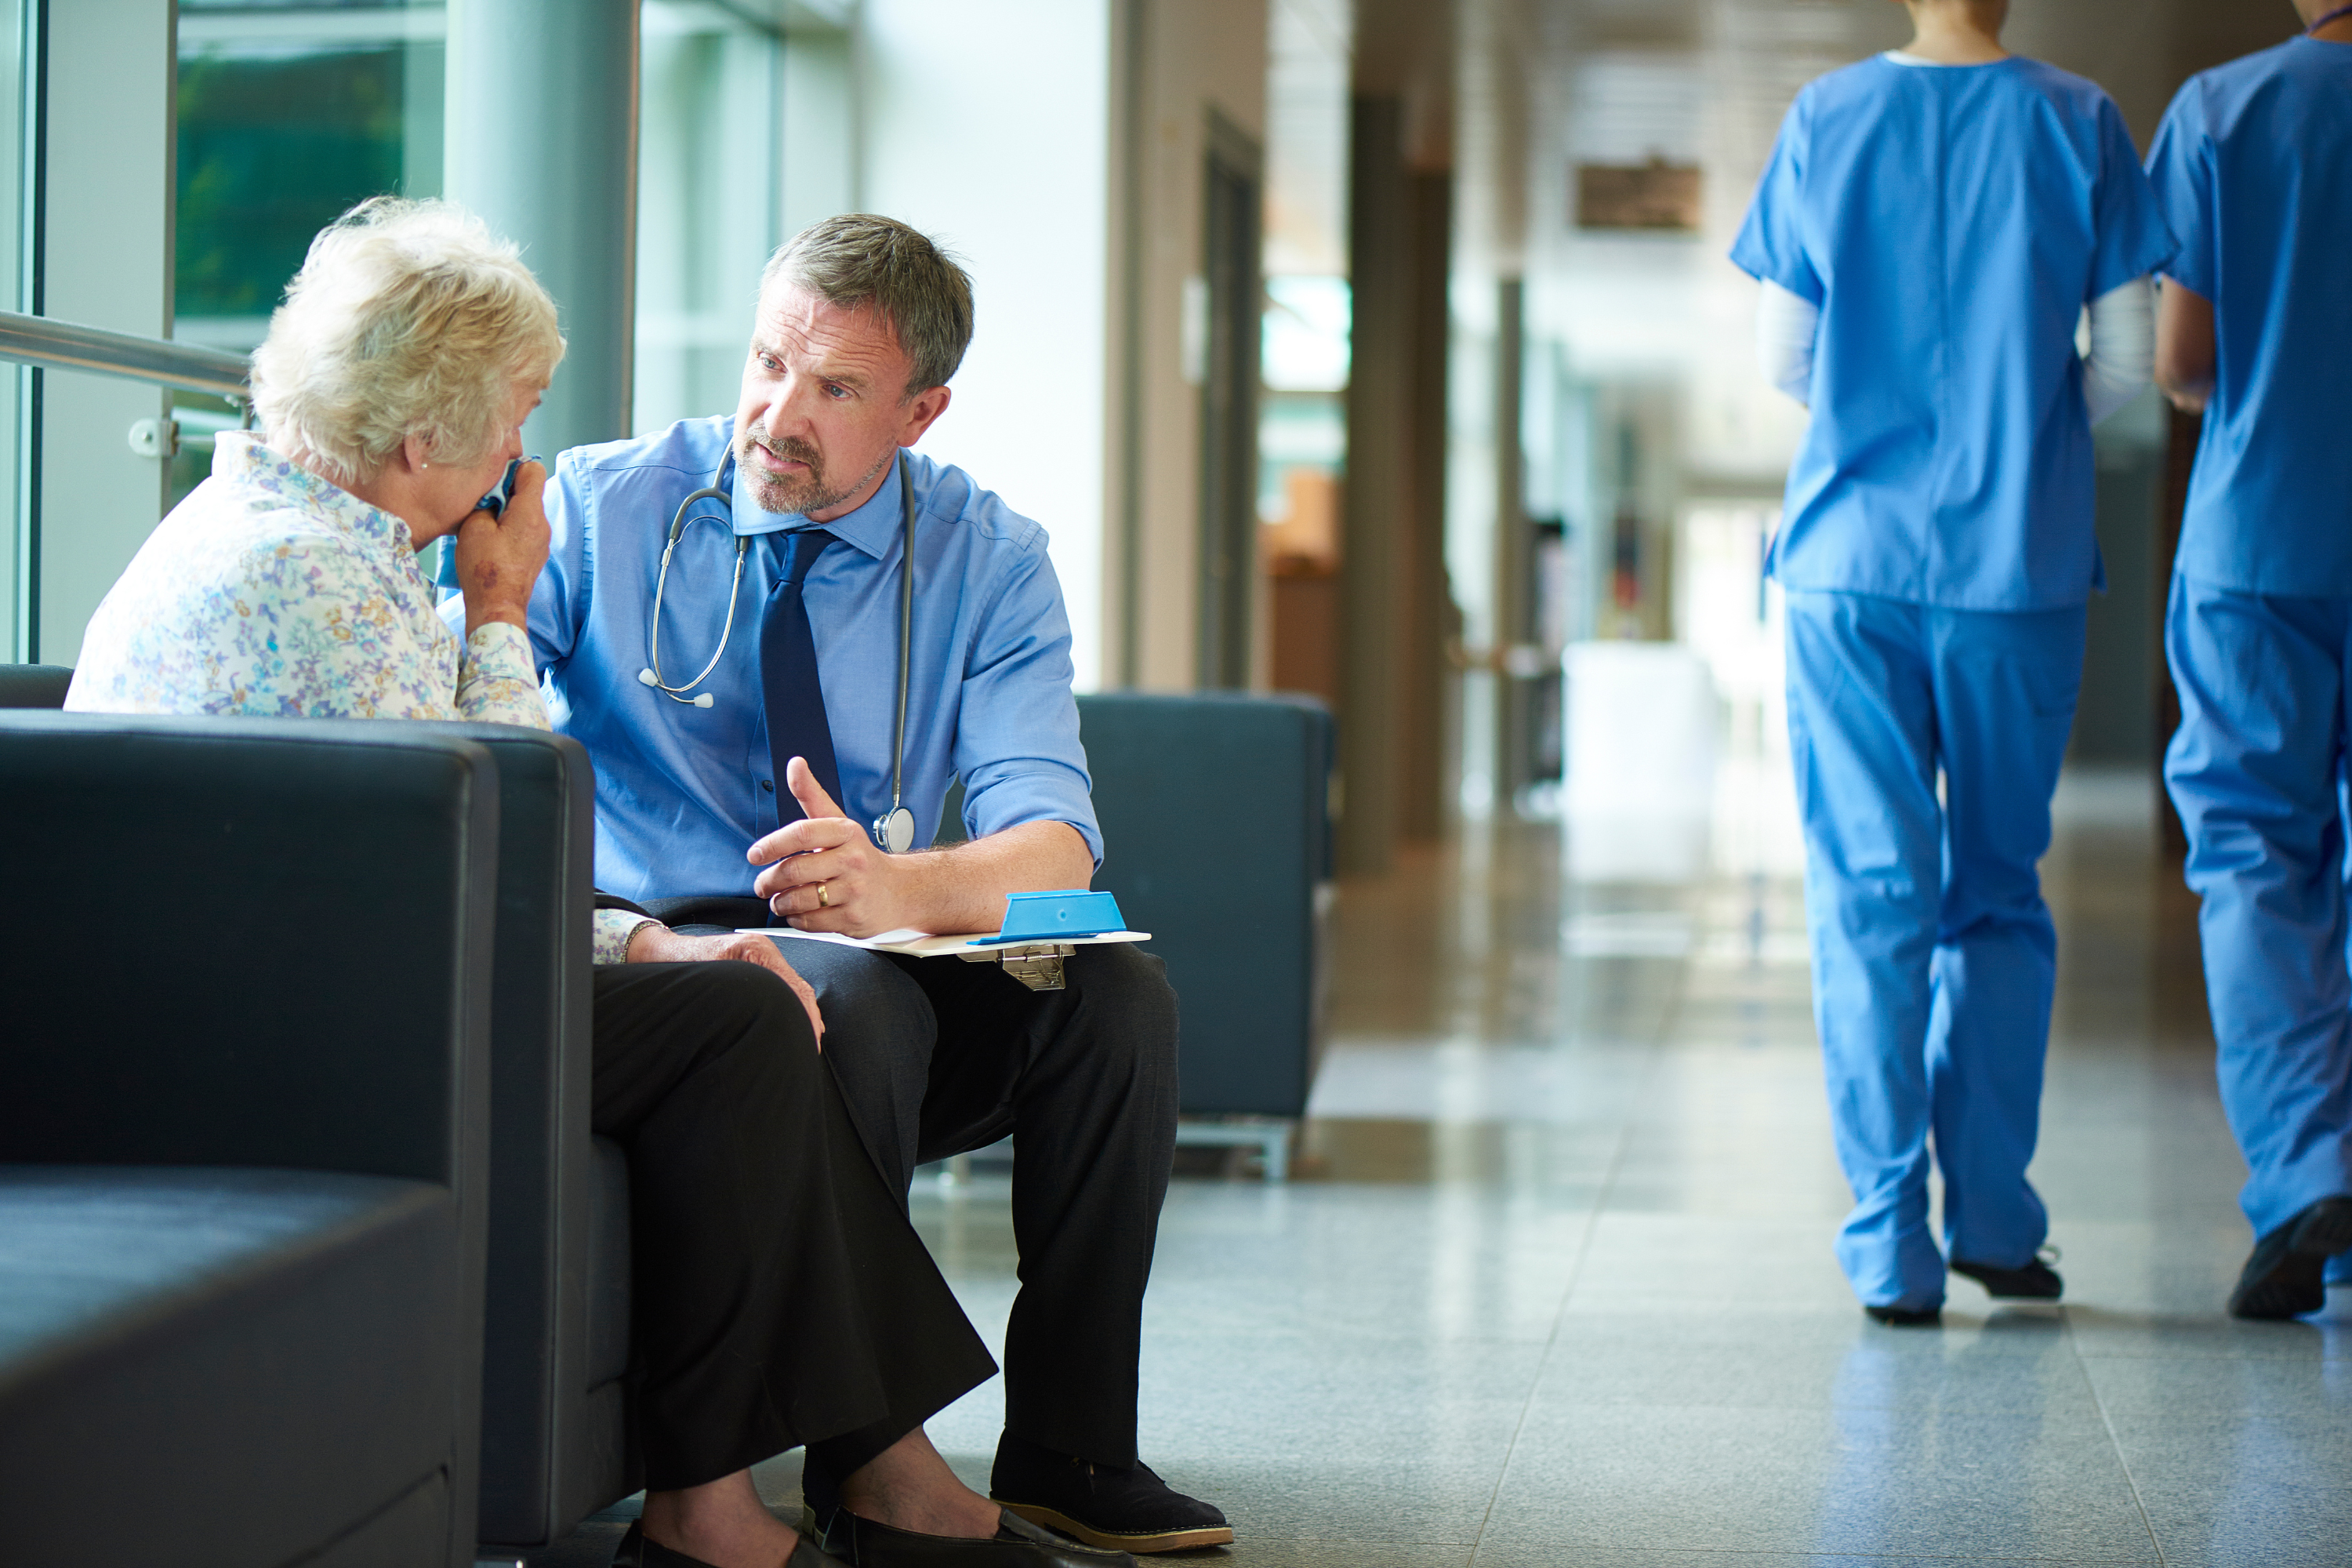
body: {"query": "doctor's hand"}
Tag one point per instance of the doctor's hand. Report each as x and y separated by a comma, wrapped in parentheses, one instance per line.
(659, 944)
(498, 558)
(825, 873)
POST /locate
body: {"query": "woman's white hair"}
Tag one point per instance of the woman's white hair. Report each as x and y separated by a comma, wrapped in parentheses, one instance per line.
(408, 318)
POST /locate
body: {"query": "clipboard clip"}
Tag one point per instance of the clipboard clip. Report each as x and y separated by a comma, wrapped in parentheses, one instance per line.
(1038, 965)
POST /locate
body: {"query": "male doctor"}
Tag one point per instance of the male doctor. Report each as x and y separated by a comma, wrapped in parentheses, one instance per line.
(746, 746)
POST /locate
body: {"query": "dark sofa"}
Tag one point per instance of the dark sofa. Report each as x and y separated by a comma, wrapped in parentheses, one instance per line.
(243, 1141)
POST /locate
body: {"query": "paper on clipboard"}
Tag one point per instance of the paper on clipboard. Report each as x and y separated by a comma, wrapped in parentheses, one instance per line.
(923, 945)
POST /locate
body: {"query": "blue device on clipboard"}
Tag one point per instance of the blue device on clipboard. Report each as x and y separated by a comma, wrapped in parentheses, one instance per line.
(1057, 916)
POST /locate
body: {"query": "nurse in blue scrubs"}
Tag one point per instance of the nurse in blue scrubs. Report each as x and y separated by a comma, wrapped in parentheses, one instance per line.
(1930, 228)
(2253, 171)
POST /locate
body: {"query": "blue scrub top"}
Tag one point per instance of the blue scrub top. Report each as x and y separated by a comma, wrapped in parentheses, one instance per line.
(680, 790)
(2254, 170)
(1950, 223)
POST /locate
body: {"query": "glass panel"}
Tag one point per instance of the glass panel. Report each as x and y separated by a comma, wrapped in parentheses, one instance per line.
(16, 380)
(723, 93)
(288, 116)
(709, 128)
(820, 178)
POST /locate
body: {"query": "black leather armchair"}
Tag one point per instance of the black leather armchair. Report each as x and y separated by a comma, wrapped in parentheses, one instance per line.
(243, 1141)
(555, 1436)
(34, 685)
(1250, 776)
(555, 1432)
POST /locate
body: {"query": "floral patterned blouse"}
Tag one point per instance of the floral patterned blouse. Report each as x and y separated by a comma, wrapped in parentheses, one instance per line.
(271, 591)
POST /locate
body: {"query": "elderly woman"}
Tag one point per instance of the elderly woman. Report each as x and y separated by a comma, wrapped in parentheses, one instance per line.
(782, 1297)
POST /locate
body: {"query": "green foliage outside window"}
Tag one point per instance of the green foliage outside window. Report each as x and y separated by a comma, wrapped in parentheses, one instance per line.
(271, 149)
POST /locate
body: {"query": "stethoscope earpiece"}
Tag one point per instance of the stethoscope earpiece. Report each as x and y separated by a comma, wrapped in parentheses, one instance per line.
(701, 699)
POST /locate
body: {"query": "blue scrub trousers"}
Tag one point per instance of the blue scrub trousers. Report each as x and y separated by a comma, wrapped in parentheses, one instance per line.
(2255, 770)
(1934, 956)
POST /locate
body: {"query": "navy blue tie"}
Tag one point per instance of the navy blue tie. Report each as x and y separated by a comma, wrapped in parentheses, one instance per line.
(795, 702)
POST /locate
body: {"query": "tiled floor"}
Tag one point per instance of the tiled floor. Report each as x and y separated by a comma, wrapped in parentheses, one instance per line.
(1553, 1285)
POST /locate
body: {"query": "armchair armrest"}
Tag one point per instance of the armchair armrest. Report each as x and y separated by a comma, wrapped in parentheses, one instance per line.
(545, 1462)
(222, 940)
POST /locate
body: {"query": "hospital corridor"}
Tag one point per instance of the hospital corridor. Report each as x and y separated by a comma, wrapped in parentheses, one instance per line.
(1060, 784)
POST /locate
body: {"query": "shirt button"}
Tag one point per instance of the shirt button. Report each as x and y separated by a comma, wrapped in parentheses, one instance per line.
(768, 784)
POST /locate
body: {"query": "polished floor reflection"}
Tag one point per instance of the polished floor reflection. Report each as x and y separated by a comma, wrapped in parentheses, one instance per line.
(1553, 1283)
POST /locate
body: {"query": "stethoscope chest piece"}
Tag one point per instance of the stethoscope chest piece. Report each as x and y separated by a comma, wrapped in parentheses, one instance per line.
(894, 830)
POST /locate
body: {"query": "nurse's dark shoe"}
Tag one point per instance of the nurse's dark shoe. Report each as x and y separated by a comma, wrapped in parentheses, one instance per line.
(2286, 1275)
(1122, 1509)
(2036, 1281)
(1909, 1316)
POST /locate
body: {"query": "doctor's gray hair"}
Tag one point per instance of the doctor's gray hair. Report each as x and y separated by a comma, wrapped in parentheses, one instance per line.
(409, 317)
(858, 260)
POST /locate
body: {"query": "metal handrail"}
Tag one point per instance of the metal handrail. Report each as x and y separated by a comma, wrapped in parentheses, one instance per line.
(62, 345)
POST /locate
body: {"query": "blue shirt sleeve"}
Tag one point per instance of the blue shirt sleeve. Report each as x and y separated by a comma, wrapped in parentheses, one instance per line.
(1017, 745)
(2180, 171)
(1772, 244)
(2132, 240)
(559, 601)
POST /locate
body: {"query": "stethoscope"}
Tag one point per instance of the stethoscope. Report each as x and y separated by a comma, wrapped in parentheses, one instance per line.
(894, 830)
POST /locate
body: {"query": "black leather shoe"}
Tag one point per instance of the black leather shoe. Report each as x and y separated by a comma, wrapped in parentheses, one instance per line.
(2036, 1282)
(636, 1551)
(1017, 1543)
(1130, 1510)
(1907, 1316)
(2284, 1278)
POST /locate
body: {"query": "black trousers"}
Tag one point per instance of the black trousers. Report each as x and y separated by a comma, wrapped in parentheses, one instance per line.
(938, 1056)
(780, 1296)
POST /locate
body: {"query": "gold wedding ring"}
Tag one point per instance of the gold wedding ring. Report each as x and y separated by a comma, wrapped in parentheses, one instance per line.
(824, 898)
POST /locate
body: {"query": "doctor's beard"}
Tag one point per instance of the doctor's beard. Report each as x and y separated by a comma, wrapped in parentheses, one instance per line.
(812, 492)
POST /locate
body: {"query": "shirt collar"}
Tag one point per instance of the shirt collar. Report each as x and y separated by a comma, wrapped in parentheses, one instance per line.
(870, 528)
(242, 462)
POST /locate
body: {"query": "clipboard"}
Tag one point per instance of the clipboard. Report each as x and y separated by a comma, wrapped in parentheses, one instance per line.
(974, 946)
(1031, 944)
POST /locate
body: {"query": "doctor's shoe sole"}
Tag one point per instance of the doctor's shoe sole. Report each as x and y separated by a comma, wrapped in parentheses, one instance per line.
(1143, 1544)
(2037, 1281)
(1907, 1316)
(2283, 1279)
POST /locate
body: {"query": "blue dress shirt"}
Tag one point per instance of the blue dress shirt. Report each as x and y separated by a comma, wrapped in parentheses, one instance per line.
(682, 792)
(2254, 168)
(1950, 223)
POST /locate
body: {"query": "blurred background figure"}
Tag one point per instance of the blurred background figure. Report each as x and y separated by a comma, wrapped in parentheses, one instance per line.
(2250, 168)
(1933, 223)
